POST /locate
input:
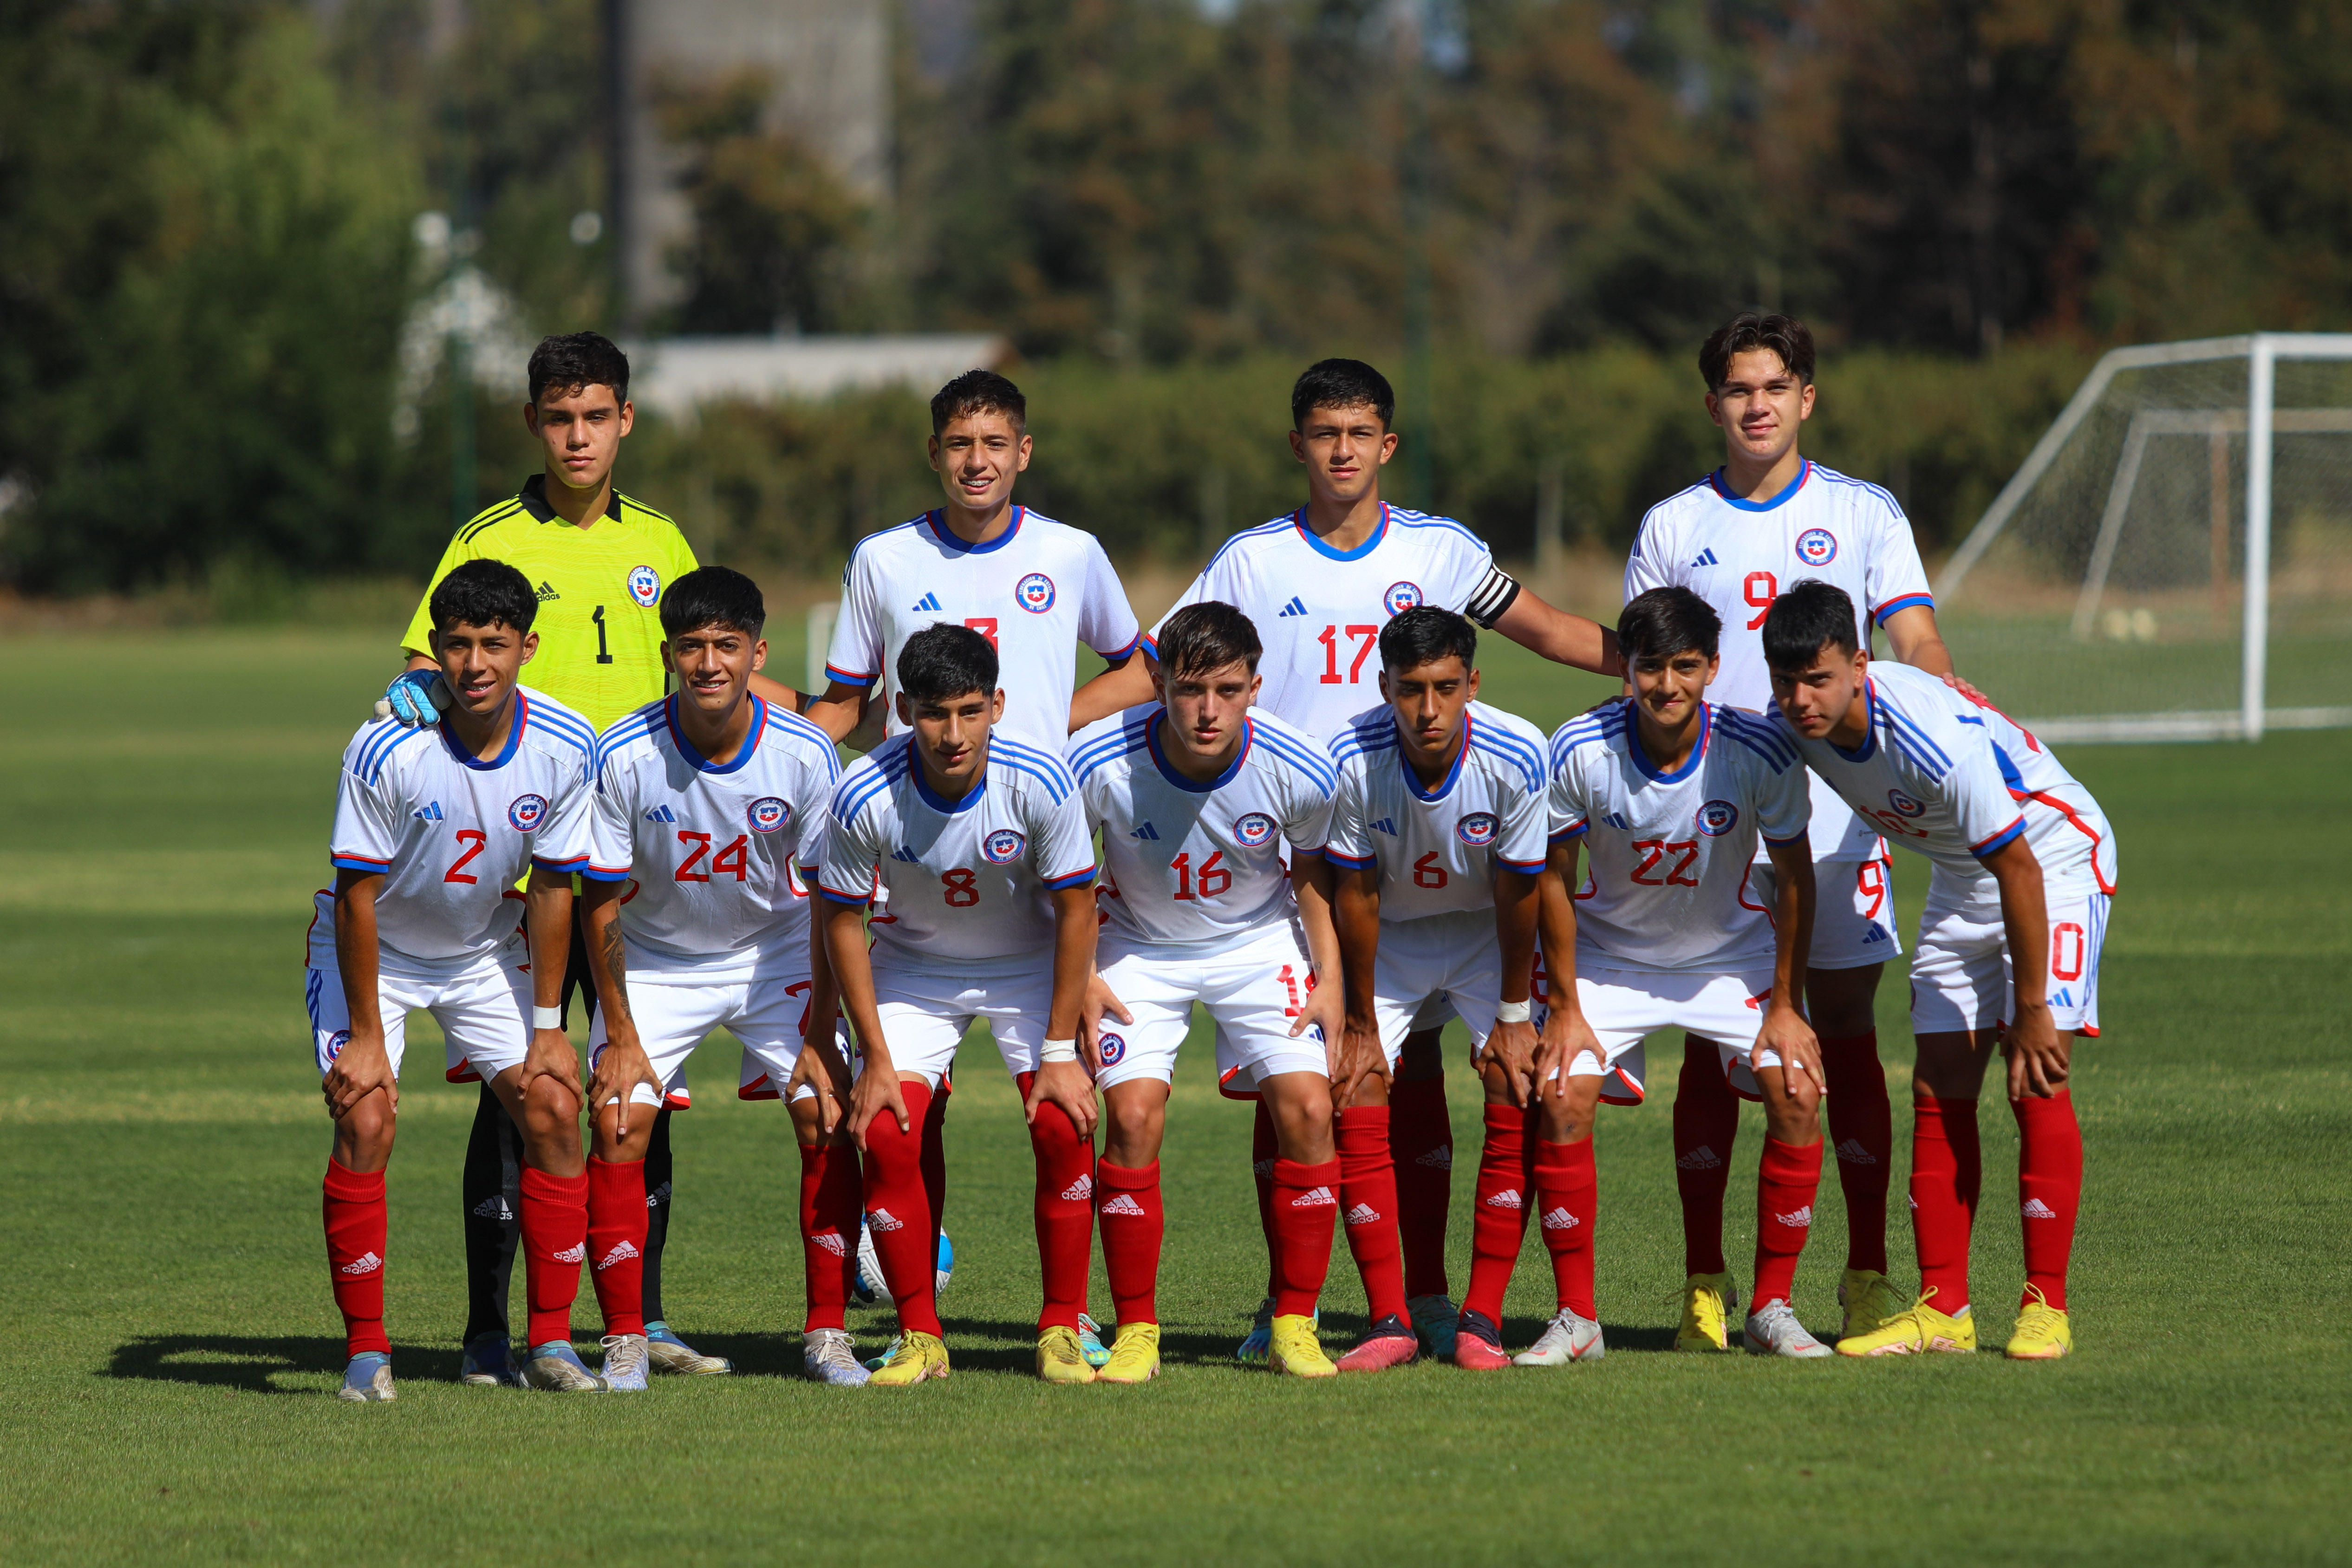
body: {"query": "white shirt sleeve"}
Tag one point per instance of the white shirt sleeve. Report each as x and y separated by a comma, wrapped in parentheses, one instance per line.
(367, 831)
(1064, 844)
(845, 871)
(1649, 566)
(1566, 807)
(1106, 622)
(1982, 807)
(612, 821)
(566, 840)
(1307, 821)
(855, 655)
(1525, 832)
(1894, 578)
(1784, 801)
(1349, 843)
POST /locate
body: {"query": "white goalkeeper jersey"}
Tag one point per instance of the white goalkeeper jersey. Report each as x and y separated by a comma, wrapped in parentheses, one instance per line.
(1437, 849)
(1668, 854)
(1952, 780)
(968, 879)
(1035, 591)
(712, 847)
(1740, 554)
(1187, 861)
(453, 832)
(1320, 611)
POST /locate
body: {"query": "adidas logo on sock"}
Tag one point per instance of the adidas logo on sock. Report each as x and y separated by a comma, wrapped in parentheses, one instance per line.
(1799, 1219)
(1125, 1204)
(1079, 1190)
(493, 1208)
(620, 1254)
(1558, 1218)
(367, 1263)
(659, 1197)
(1263, 1168)
(1318, 1198)
(882, 1219)
(1507, 1199)
(1440, 1158)
(1853, 1154)
(1363, 1214)
(831, 1241)
(2034, 1208)
(1701, 1158)
(572, 1254)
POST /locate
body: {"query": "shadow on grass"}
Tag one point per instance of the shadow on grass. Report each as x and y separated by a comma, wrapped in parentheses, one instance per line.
(253, 1365)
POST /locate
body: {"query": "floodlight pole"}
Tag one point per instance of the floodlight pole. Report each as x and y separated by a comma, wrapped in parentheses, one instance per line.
(2263, 374)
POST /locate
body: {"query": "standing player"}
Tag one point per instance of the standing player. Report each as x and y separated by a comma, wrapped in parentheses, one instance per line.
(1196, 797)
(1437, 844)
(1319, 584)
(432, 826)
(1667, 793)
(1738, 539)
(706, 800)
(981, 844)
(2017, 904)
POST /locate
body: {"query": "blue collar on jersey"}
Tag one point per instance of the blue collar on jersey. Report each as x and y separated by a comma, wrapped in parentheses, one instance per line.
(952, 542)
(685, 747)
(1444, 785)
(1804, 472)
(1869, 746)
(1690, 765)
(514, 739)
(931, 798)
(1298, 520)
(1196, 786)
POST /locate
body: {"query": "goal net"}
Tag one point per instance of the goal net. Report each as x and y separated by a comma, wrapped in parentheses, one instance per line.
(2174, 559)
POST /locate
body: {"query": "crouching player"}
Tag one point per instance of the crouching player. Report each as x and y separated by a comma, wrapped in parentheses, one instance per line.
(1437, 844)
(704, 802)
(1669, 793)
(433, 825)
(2017, 904)
(983, 845)
(1196, 797)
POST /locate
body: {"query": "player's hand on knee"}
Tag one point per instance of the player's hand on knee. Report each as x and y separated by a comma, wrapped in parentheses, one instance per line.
(621, 1066)
(876, 1094)
(360, 1069)
(550, 1056)
(821, 1069)
(1066, 1084)
(1787, 1034)
(1324, 1009)
(1357, 1056)
(2036, 1054)
(1512, 1047)
(416, 697)
(1100, 1000)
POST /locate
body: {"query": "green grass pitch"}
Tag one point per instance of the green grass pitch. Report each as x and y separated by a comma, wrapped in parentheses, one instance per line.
(170, 1340)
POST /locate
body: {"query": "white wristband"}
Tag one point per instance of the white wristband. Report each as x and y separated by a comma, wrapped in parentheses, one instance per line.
(546, 1018)
(1058, 1050)
(1514, 1012)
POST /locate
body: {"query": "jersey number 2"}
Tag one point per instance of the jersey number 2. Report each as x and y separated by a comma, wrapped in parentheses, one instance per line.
(474, 838)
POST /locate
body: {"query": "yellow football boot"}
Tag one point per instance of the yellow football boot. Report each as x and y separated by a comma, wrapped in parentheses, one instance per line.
(1915, 1330)
(1061, 1358)
(1297, 1349)
(1134, 1355)
(2043, 1334)
(1870, 1300)
(917, 1357)
(1707, 1301)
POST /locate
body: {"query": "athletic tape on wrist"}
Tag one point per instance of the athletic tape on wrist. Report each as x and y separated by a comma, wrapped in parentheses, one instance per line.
(1058, 1050)
(1514, 1012)
(546, 1018)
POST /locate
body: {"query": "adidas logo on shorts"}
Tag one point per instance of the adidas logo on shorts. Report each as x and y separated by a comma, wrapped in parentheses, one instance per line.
(1701, 1158)
(1802, 1218)
(367, 1263)
(1079, 1190)
(1507, 1198)
(2034, 1208)
(572, 1254)
(1558, 1218)
(493, 1208)
(1440, 1158)
(1853, 1154)
(1363, 1214)
(884, 1220)
(1317, 1198)
(620, 1254)
(831, 1241)
(1125, 1204)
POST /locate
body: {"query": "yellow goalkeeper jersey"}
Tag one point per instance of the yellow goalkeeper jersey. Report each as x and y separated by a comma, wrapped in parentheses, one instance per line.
(599, 588)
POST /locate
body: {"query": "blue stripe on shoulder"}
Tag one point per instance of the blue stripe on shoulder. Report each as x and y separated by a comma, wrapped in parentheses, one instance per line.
(1299, 756)
(384, 757)
(1274, 527)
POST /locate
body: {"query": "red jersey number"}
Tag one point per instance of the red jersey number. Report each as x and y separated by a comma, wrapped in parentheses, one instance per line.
(1367, 638)
(1761, 589)
(1654, 854)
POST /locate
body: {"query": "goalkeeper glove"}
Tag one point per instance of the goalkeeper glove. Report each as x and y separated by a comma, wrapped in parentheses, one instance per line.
(415, 699)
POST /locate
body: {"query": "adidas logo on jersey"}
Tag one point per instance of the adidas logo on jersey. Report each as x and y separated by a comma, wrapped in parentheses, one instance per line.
(493, 1209)
(928, 601)
(1318, 1198)
(905, 853)
(547, 591)
(1853, 1154)
(1363, 1214)
(1440, 1158)
(1079, 1190)
(1125, 1206)
(1293, 608)
(1707, 558)
(1617, 820)
(1385, 826)
(1147, 831)
(1701, 1158)
(831, 1241)
(572, 1254)
(620, 1254)
(1507, 1198)
(366, 1263)
(661, 814)
(2034, 1208)
(1799, 1219)
(884, 1220)
(429, 813)
(1558, 1218)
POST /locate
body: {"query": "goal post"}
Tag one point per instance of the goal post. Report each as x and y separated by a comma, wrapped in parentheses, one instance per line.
(2096, 598)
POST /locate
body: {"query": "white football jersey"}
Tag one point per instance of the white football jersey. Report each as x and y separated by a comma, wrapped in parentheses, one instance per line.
(1738, 556)
(1186, 860)
(712, 848)
(1320, 612)
(1947, 778)
(1667, 855)
(1437, 849)
(453, 832)
(968, 879)
(1035, 591)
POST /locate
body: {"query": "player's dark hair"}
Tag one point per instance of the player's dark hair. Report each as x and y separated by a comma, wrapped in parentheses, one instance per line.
(1784, 335)
(1809, 616)
(1664, 622)
(483, 593)
(573, 361)
(979, 391)
(943, 661)
(1207, 637)
(1341, 383)
(713, 596)
(1425, 634)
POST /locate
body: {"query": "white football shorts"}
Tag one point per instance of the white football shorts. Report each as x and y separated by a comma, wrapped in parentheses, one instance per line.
(1854, 910)
(926, 1013)
(483, 1008)
(768, 1015)
(1960, 974)
(1623, 1006)
(1253, 986)
(1438, 966)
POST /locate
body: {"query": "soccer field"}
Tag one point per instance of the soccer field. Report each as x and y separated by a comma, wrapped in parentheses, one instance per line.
(164, 1379)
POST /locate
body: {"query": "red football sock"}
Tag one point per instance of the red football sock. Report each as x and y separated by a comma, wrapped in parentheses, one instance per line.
(1133, 1224)
(831, 1192)
(1861, 1125)
(1500, 1218)
(1567, 1193)
(617, 1242)
(554, 1244)
(357, 1224)
(1064, 1211)
(1264, 1148)
(1947, 1169)
(1785, 1184)
(1306, 1207)
(898, 1210)
(2048, 1188)
(1368, 1206)
(1421, 1142)
(1707, 1121)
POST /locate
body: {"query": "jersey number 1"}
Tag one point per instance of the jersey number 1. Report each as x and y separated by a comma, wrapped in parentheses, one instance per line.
(604, 648)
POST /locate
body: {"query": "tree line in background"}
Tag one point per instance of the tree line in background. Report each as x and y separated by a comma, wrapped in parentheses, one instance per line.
(211, 256)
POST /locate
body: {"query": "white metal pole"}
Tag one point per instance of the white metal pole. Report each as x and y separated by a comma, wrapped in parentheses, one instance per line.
(2262, 373)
